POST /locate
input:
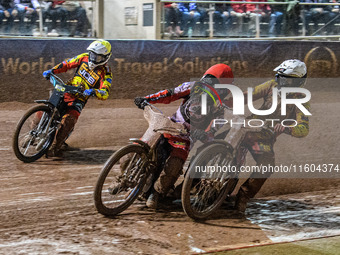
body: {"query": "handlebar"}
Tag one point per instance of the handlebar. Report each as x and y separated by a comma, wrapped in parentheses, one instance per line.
(59, 85)
(54, 79)
(170, 130)
(224, 106)
(152, 106)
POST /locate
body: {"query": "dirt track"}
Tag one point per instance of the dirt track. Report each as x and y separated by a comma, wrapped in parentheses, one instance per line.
(47, 206)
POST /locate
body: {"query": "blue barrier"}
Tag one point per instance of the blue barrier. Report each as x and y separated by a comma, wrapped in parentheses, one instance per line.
(141, 67)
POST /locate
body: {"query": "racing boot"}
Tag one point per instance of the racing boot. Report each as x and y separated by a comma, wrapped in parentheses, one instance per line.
(66, 147)
(54, 152)
(172, 170)
(241, 203)
(247, 191)
(67, 125)
(152, 201)
(114, 190)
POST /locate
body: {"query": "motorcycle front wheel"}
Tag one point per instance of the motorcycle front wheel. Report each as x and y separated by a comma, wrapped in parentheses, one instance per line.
(34, 134)
(121, 180)
(207, 183)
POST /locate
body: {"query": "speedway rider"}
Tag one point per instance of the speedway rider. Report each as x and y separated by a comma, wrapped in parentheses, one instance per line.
(290, 73)
(93, 76)
(185, 114)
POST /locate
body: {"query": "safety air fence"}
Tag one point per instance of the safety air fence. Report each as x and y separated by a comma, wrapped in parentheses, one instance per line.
(141, 67)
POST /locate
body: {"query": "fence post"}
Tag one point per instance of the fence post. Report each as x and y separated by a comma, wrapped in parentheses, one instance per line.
(258, 13)
(211, 21)
(40, 19)
(303, 17)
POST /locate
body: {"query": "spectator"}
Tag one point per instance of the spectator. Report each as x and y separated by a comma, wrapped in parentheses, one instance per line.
(202, 9)
(334, 16)
(28, 9)
(2, 15)
(189, 17)
(8, 12)
(248, 13)
(223, 19)
(55, 11)
(172, 19)
(276, 18)
(292, 18)
(317, 14)
(77, 12)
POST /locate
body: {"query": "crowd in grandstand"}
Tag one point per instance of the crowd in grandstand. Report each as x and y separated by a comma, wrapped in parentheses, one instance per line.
(56, 15)
(69, 18)
(229, 19)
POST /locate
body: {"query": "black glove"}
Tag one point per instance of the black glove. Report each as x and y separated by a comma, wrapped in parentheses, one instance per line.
(141, 102)
(199, 134)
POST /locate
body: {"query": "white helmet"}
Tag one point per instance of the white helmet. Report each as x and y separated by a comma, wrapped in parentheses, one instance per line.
(291, 73)
(99, 53)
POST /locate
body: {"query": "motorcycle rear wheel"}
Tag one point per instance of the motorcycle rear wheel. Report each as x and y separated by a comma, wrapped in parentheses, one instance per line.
(30, 142)
(121, 180)
(203, 193)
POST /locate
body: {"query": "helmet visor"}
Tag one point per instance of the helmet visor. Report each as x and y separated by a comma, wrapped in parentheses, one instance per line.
(96, 58)
(288, 81)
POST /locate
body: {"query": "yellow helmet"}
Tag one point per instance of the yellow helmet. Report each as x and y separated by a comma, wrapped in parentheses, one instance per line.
(99, 53)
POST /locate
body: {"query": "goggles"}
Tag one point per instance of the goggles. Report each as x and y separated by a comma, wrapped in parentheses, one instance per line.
(286, 81)
(96, 58)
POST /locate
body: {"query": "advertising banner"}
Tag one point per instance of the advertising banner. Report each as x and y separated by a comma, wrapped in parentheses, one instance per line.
(140, 66)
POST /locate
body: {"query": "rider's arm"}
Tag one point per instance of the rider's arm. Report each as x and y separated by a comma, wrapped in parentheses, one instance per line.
(169, 95)
(103, 92)
(302, 127)
(259, 92)
(69, 64)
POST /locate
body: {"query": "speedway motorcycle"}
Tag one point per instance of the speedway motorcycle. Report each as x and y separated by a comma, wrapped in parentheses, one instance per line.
(213, 172)
(130, 171)
(36, 130)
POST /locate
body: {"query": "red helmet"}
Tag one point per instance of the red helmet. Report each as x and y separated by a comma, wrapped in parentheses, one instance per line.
(221, 72)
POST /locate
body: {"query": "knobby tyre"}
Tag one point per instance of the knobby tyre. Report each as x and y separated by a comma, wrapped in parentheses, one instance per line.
(121, 180)
(203, 192)
(33, 136)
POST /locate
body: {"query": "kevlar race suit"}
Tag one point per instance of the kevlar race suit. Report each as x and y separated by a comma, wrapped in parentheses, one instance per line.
(180, 145)
(99, 79)
(261, 144)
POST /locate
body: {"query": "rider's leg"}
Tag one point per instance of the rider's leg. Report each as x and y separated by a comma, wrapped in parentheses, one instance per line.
(67, 125)
(36, 119)
(263, 154)
(172, 170)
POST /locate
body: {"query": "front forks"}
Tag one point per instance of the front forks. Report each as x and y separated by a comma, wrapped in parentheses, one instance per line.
(137, 169)
(47, 131)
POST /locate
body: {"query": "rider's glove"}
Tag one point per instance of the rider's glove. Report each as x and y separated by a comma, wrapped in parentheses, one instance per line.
(102, 92)
(141, 102)
(279, 129)
(47, 74)
(89, 92)
(199, 134)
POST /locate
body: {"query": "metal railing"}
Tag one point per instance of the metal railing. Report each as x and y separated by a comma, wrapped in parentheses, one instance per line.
(41, 20)
(211, 10)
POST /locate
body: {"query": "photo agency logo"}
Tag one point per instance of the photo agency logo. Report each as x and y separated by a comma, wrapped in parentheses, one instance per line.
(282, 97)
(225, 158)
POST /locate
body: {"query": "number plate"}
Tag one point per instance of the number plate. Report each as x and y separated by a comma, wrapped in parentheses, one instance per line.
(59, 88)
